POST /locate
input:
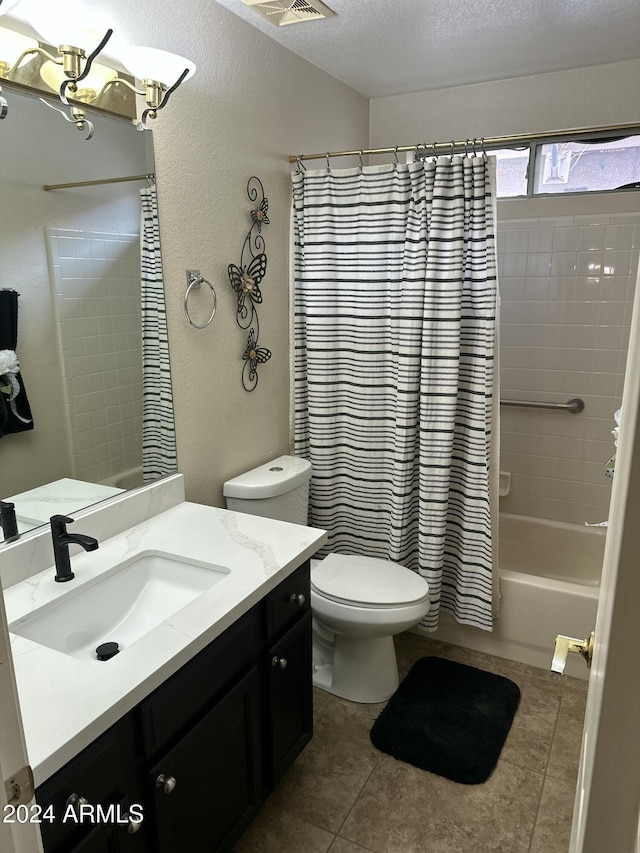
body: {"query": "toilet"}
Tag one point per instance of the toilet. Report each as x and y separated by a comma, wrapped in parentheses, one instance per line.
(358, 603)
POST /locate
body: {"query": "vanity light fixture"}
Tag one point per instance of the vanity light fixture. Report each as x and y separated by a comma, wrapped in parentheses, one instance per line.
(5, 6)
(33, 65)
(159, 71)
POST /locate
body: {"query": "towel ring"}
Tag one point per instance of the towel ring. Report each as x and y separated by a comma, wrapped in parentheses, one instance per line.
(194, 279)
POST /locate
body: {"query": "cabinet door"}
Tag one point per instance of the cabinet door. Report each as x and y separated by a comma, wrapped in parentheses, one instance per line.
(207, 788)
(290, 697)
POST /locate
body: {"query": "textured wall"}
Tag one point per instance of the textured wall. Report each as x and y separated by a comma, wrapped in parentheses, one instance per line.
(586, 97)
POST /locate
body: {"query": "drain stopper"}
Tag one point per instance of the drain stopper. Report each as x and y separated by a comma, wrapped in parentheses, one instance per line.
(105, 651)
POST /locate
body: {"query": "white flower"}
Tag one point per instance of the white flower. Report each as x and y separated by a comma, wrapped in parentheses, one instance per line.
(8, 362)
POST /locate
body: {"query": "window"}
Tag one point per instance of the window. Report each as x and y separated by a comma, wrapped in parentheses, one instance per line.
(512, 165)
(571, 165)
(588, 166)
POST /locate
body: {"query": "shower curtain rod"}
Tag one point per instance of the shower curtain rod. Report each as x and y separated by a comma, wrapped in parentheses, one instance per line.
(149, 177)
(491, 141)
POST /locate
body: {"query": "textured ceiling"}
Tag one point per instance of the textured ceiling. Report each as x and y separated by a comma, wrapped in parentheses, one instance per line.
(390, 47)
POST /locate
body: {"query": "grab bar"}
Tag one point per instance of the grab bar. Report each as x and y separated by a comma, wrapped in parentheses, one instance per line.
(575, 405)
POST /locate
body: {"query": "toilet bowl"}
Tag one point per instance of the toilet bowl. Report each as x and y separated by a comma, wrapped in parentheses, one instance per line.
(358, 603)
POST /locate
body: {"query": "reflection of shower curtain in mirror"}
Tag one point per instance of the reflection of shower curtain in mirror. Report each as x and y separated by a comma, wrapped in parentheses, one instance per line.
(15, 412)
(395, 331)
(158, 431)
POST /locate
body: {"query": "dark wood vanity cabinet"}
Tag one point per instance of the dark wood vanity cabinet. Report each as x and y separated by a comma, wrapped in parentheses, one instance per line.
(200, 754)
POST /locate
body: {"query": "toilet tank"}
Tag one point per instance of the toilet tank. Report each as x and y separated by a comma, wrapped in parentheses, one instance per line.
(278, 489)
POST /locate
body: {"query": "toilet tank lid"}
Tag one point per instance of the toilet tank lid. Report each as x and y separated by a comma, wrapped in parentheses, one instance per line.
(277, 477)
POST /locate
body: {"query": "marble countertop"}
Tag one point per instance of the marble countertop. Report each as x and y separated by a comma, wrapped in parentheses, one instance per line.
(67, 702)
(60, 497)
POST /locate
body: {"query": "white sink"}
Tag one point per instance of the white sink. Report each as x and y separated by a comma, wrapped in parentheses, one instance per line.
(121, 605)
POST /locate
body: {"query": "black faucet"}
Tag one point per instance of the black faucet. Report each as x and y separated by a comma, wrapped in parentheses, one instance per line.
(8, 520)
(61, 542)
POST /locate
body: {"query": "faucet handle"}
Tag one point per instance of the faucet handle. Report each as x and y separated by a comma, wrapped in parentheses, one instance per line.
(59, 524)
(61, 519)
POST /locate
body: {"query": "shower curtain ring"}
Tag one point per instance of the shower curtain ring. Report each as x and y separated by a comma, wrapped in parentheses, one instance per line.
(299, 164)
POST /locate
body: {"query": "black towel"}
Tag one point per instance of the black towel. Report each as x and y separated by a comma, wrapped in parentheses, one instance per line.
(9, 340)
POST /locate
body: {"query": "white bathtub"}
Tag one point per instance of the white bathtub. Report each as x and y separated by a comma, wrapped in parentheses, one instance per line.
(130, 479)
(549, 580)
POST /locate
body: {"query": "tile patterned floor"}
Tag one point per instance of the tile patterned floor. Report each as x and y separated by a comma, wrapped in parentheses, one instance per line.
(343, 796)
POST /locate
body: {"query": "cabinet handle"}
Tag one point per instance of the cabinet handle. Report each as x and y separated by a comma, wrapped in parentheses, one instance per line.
(281, 662)
(167, 783)
(297, 598)
(133, 826)
(75, 801)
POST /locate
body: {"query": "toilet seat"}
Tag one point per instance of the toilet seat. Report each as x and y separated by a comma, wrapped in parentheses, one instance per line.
(367, 582)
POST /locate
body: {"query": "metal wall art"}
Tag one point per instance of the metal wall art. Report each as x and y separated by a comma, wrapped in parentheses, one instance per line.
(245, 280)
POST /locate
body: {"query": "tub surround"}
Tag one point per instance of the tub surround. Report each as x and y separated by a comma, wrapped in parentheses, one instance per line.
(66, 702)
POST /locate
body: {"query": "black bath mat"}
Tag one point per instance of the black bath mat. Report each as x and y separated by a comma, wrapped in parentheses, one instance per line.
(448, 718)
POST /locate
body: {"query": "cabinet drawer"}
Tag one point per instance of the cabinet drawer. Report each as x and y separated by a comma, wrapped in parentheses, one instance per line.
(101, 774)
(284, 604)
(186, 696)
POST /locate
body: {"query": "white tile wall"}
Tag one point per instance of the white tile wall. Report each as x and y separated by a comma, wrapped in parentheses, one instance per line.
(567, 286)
(95, 278)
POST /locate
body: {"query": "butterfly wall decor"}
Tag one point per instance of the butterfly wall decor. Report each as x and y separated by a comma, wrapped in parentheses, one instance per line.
(245, 279)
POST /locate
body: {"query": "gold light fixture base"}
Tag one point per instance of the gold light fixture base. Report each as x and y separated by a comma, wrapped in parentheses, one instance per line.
(113, 100)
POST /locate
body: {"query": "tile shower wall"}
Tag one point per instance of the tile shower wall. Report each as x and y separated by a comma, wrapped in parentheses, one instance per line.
(95, 278)
(567, 285)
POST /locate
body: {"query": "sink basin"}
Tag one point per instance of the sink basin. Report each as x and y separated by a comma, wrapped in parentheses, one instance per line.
(121, 605)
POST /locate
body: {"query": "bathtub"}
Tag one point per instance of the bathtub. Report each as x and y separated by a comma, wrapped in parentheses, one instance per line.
(130, 479)
(549, 578)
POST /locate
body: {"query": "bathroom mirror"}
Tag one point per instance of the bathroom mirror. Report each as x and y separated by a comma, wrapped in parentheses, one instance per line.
(74, 257)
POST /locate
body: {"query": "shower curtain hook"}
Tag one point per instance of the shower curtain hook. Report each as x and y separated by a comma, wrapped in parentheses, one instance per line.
(474, 147)
(360, 156)
(395, 154)
(453, 145)
(435, 152)
(299, 164)
(484, 150)
(328, 162)
(466, 147)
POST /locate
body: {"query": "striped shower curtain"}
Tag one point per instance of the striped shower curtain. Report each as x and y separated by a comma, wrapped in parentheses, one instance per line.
(395, 300)
(158, 431)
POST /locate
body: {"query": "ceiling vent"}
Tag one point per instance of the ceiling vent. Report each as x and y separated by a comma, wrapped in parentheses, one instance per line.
(283, 12)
